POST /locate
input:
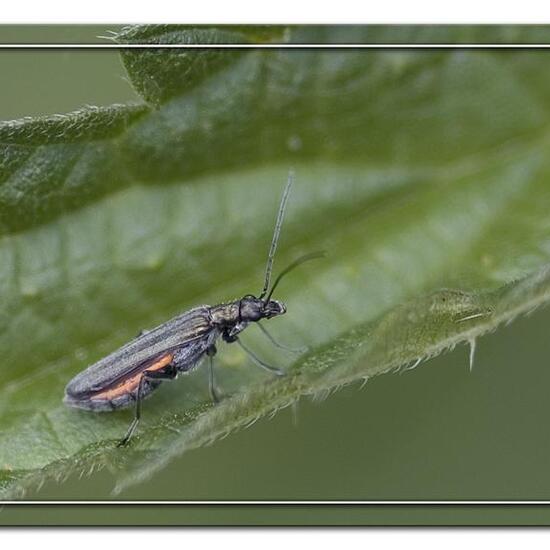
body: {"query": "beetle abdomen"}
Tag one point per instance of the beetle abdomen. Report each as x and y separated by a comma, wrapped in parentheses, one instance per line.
(119, 394)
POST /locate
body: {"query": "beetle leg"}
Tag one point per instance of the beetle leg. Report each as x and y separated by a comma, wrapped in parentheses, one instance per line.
(230, 335)
(211, 351)
(276, 344)
(167, 373)
(258, 361)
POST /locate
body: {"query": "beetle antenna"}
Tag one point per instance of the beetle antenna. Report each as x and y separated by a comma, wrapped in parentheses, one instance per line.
(276, 233)
(293, 265)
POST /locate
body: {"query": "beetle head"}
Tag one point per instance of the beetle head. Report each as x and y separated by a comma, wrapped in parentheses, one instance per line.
(253, 309)
(272, 308)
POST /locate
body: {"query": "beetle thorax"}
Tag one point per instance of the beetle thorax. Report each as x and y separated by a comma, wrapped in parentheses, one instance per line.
(225, 314)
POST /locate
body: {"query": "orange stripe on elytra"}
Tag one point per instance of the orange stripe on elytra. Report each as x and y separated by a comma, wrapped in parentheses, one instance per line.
(130, 384)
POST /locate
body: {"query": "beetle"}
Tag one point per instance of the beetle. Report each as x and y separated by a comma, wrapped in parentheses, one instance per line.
(131, 373)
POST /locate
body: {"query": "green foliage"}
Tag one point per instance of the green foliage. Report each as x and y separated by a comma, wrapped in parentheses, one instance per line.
(161, 74)
(53, 163)
(423, 174)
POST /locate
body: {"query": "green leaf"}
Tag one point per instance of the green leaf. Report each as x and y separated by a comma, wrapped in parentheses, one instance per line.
(54, 163)
(160, 74)
(415, 171)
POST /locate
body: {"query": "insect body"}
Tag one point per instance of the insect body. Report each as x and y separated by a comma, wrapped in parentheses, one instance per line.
(132, 372)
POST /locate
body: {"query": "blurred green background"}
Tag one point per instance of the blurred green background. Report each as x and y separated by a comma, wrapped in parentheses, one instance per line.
(437, 432)
(42, 82)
